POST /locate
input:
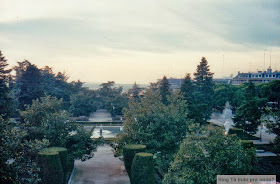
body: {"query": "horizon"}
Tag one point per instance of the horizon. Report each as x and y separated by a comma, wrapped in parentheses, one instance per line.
(132, 41)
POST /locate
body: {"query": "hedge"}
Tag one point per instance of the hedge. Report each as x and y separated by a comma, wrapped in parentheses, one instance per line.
(129, 152)
(51, 168)
(247, 144)
(142, 170)
(241, 134)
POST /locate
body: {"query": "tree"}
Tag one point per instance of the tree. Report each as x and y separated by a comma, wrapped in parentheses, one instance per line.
(111, 98)
(203, 93)
(5, 97)
(18, 155)
(46, 119)
(248, 114)
(222, 93)
(158, 126)
(134, 92)
(204, 154)
(271, 91)
(82, 104)
(164, 90)
(28, 83)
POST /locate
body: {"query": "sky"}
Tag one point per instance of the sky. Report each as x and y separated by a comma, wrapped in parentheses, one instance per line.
(139, 41)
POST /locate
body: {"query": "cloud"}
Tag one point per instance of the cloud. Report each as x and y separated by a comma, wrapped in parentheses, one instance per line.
(52, 31)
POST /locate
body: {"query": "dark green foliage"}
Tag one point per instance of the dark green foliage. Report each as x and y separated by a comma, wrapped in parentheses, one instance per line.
(28, 83)
(205, 154)
(248, 114)
(241, 134)
(223, 93)
(134, 92)
(51, 169)
(129, 152)
(271, 91)
(247, 144)
(164, 90)
(82, 104)
(201, 104)
(5, 97)
(111, 98)
(63, 155)
(159, 127)
(187, 88)
(46, 119)
(142, 170)
(268, 166)
(13, 145)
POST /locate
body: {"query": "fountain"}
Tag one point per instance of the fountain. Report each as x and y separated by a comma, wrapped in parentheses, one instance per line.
(106, 131)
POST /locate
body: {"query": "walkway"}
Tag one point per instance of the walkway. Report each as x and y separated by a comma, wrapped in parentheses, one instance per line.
(101, 115)
(103, 168)
(266, 136)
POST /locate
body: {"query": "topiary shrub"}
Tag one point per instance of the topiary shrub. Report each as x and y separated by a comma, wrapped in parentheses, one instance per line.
(63, 157)
(51, 168)
(142, 170)
(247, 144)
(129, 152)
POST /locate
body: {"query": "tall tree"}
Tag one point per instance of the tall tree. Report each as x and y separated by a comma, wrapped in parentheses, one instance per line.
(248, 114)
(187, 88)
(204, 90)
(134, 91)
(5, 99)
(28, 83)
(164, 90)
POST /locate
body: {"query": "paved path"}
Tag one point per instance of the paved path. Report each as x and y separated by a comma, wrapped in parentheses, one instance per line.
(266, 136)
(101, 115)
(103, 168)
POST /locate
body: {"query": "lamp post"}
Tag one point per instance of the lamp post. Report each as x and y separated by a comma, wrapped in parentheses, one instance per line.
(261, 128)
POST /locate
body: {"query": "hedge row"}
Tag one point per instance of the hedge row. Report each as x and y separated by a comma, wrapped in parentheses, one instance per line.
(129, 152)
(241, 134)
(53, 163)
(142, 170)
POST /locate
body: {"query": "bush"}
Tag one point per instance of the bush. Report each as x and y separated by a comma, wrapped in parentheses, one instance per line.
(241, 134)
(51, 168)
(142, 170)
(247, 144)
(63, 158)
(129, 152)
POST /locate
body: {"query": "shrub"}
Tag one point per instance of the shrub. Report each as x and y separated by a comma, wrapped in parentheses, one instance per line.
(63, 157)
(247, 144)
(129, 152)
(142, 170)
(241, 134)
(51, 168)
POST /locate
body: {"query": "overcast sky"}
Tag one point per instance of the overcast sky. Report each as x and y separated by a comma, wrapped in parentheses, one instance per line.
(129, 40)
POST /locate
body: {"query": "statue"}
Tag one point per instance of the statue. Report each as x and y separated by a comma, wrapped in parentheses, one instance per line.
(228, 124)
(227, 112)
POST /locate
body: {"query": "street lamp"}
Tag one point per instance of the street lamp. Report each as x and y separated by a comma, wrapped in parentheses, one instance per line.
(261, 127)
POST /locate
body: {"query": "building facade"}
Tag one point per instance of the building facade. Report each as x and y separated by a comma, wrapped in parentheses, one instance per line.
(256, 77)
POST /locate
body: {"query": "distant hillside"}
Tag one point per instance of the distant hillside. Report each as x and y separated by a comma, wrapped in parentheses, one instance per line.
(95, 86)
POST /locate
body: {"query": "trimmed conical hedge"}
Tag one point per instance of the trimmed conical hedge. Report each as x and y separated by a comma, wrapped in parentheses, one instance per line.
(129, 152)
(51, 168)
(142, 170)
(63, 158)
(62, 154)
